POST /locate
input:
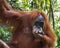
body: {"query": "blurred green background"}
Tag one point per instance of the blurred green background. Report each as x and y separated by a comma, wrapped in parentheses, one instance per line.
(51, 7)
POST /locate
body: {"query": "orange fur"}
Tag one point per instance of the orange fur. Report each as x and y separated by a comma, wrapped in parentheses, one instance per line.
(22, 36)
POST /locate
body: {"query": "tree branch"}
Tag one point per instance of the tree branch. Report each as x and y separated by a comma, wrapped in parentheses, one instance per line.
(4, 44)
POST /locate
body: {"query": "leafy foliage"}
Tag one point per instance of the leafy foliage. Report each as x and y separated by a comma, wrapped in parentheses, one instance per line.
(57, 30)
(5, 35)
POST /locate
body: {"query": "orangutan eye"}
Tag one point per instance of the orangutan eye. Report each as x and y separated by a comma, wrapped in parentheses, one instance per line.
(39, 24)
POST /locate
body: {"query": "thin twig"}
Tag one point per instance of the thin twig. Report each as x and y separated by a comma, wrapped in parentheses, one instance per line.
(4, 44)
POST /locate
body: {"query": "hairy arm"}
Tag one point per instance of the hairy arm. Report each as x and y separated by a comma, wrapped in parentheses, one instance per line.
(50, 36)
(7, 13)
(5, 4)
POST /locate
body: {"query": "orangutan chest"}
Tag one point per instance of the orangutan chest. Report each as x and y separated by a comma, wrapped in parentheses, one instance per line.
(26, 40)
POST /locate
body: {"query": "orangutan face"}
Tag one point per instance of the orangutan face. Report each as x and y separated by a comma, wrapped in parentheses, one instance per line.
(38, 25)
